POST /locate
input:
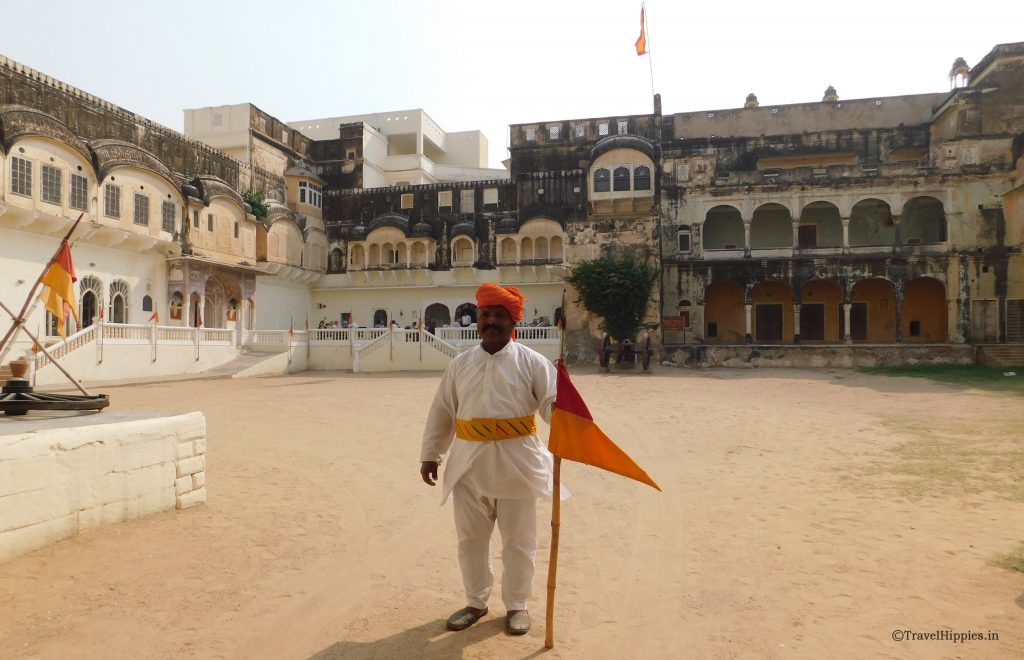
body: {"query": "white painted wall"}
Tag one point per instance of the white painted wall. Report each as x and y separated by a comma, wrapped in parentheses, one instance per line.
(23, 255)
(120, 361)
(279, 303)
(57, 481)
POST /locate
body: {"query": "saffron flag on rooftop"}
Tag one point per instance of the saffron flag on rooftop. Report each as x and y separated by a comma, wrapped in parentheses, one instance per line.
(60, 278)
(155, 316)
(575, 436)
(641, 42)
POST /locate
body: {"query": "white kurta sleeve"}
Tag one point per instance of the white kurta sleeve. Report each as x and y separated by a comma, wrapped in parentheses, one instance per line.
(545, 387)
(440, 428)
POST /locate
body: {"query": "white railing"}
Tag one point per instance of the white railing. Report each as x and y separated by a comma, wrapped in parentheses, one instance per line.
(525, 334)
(439, 345)
(74, 342)
(546, 335)
(366, 349)
(216, 336)
(266, 339)
(175, 334)
(330, 336)
(457, 335)
(127, 333)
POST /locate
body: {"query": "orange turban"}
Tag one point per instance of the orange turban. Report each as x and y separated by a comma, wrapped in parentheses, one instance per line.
(492, 295)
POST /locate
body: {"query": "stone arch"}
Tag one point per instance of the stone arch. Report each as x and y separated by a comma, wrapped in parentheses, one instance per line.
(463, 251)
(873, 311)
(336, 261)
(772, 314)
(526, 249)
(820, 225)
(771, 227)
(723, 228)
(215, 304)
(821, 311)
(91, 299)
(118, 312)
(436, 315)
(724, 313)
(507, 253)
(923, 221)
(925, 311)
(871, 224)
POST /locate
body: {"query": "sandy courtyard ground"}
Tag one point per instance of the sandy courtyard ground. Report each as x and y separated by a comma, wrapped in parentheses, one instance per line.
(805, 514)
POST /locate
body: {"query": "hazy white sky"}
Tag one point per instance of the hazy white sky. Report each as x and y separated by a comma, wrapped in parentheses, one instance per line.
(485, 65)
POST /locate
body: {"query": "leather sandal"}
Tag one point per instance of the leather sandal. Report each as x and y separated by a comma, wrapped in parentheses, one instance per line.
(464, 618)
(517, 623)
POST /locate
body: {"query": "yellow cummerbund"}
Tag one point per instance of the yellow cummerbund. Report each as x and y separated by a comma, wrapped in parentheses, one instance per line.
(480, 429)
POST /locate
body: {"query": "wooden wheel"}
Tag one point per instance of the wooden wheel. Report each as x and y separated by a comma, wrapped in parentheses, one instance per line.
(605, 355)
(645, 359)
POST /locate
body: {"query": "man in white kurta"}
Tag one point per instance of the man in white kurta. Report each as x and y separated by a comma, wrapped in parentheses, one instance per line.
(498, 384)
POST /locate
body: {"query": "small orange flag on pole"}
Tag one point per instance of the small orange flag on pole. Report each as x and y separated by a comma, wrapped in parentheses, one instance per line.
(641, 42)
(155, 316)
(60, 278)
(575, 436)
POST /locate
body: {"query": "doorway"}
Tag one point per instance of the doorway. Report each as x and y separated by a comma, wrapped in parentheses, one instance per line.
(859, 321)
(769, 322)
(812, 322)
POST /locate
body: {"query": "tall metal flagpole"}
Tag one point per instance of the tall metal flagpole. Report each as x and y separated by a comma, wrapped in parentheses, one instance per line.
(647, 44)
(556, 517)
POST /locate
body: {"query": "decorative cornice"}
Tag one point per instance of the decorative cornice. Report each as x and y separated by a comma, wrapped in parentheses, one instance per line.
(111, 154)
(396, 220)
(211, 187)
(623, 142)
(18, 121)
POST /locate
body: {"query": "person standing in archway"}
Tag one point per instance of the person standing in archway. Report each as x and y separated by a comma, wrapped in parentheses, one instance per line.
(483, 418)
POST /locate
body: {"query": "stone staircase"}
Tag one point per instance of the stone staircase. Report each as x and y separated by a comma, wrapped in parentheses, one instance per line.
(244, 360)
(1002, 355)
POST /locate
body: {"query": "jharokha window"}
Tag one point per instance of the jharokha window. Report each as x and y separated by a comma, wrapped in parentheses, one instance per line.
(621, 178)
(21, 176)
(602, 180)
(642, 178)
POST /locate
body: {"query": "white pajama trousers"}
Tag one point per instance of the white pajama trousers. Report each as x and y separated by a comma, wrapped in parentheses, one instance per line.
(475, 516)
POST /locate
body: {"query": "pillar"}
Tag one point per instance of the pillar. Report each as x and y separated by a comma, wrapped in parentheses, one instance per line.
(746, 239)
(898, 286)
(847, 337)
(898, 237)
(750, 326)
(846, 235)
(796, 234)
(796, 323)
(187, 309)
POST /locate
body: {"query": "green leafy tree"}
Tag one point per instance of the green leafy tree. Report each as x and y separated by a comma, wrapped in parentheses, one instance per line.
(257, 200)
(617, 289)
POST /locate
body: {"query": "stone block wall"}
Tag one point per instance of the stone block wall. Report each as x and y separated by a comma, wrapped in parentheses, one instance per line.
(62, 477)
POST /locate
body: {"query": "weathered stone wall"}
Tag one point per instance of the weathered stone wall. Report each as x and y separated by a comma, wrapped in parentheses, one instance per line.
(817, 356)
(59, 480)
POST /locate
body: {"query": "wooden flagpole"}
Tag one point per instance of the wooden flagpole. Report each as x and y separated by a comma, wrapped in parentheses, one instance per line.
(556, 520)
(19, 320)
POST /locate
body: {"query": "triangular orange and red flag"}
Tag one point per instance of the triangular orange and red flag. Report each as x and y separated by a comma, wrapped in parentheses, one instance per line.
(641, 42)
(155, 316)
(575, 436)
(60, 278)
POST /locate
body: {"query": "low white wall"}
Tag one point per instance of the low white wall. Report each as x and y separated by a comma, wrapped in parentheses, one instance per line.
(123, 361)
(60, 477)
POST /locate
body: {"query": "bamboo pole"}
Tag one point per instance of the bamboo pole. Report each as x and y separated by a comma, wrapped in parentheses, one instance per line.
(28, 300)
(556, 523)
(46, 353)
(556, 518)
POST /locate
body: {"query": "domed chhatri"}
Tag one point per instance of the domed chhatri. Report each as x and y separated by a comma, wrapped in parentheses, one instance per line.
(959, 73)
(751, 101)
(830, 95)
